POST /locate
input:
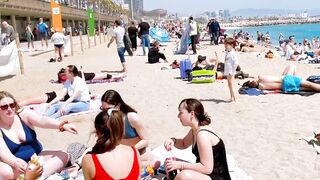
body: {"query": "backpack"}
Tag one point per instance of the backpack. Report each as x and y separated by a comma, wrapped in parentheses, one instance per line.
(42, 28)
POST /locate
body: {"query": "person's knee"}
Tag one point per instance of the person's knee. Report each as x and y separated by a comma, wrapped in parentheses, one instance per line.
(6, 171)
(185, 174)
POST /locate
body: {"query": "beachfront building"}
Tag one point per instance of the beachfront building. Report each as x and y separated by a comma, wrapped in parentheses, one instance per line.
(19, 12)
(137, 6)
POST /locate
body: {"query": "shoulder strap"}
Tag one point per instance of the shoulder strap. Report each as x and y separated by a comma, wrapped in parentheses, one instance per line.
(209, 131)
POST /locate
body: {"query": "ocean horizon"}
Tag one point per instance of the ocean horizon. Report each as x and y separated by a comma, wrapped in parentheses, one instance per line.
(300, 31)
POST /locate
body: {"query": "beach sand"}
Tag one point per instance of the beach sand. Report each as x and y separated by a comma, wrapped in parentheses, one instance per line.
(262, 133)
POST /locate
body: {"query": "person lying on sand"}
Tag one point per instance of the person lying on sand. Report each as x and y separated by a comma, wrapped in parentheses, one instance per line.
(288, 82)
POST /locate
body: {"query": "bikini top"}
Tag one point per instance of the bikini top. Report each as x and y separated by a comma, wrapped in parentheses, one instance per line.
(26, 149)
(130, 132)
(102, 174)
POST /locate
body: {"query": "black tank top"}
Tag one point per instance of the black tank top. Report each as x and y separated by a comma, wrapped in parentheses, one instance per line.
(220, 170)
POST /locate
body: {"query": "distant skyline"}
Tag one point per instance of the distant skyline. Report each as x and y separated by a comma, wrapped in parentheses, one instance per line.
(192, 7)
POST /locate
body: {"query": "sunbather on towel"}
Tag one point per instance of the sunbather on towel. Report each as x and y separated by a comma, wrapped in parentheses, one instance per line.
(78, 91)
(209, 149)
(135, 131)
(288, 82)
(86, 76)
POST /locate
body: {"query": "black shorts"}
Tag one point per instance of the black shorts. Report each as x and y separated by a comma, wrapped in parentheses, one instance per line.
(88, 76)
(58, 45)
(52, 95)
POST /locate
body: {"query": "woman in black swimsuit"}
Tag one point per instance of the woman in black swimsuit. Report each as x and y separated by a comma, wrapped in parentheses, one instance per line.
(211, 161)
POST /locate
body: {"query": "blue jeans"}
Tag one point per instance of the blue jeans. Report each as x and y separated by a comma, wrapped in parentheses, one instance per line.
(74, 107)
(121, 52)
(145, 42)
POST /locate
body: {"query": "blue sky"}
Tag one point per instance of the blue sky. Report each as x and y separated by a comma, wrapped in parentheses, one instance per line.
(199, 6)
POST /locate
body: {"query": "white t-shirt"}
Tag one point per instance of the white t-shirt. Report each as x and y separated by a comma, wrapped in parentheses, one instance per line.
(58, 38)
(231, 63)
(193, 28)
(80, 86)
(118, 33)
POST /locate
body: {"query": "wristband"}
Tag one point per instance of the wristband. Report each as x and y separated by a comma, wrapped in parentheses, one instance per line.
(61, 129)
(174, 140)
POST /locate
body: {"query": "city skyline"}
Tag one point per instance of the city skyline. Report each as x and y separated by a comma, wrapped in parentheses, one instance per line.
(188, 6)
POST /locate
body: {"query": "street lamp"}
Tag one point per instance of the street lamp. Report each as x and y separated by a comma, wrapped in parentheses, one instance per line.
(131, 9)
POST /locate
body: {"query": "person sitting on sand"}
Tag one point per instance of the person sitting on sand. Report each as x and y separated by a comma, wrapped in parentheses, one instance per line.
(288, 82)
(136, 134)
(209, 149)
(18, 140)
(79, 97)
(109, 159)
(154, 55)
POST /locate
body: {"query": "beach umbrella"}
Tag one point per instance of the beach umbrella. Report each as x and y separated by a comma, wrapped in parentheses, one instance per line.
(159, 34)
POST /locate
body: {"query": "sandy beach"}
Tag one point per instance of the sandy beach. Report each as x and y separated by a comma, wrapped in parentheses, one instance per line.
(261, 132)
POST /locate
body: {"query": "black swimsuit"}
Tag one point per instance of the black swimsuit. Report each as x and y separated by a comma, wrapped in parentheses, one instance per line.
(220, 170)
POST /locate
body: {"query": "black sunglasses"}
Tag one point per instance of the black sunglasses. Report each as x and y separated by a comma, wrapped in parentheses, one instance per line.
(6, 106)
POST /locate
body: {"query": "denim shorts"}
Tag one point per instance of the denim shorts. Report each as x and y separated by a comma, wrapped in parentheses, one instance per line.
(121, 51)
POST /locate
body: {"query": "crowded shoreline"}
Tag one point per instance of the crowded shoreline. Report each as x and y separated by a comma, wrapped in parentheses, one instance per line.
(261, 132)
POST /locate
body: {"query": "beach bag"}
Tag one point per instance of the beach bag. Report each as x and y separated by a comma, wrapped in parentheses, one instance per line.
(203, 76)
(185, 68)
(314, 79)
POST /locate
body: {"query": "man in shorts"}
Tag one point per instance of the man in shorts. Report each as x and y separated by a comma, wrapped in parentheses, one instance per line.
(43, 32)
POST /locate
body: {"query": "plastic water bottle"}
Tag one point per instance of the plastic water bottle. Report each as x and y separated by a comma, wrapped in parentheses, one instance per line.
(172, 174)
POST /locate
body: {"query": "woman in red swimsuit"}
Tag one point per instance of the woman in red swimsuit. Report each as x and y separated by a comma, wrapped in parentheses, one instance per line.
(108, 155)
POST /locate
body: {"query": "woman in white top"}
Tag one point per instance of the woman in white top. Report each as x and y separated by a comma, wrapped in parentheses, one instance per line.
(58, 40)
(78, 92)
(230, 65)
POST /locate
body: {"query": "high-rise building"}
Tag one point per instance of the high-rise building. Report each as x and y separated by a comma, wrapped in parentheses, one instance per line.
(137, 6)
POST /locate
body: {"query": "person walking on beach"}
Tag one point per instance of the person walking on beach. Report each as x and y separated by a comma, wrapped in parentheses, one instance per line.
(43, 32)
(281, 39)
(30, 36)
(215, 30)
(117, 36)
(230, 65)
(144, 35)
(193, 34)
(133, 32)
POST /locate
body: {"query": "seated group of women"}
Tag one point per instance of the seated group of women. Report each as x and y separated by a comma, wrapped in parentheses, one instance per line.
(122, 141)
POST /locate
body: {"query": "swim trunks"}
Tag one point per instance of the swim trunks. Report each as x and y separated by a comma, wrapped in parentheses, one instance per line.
(291, 83)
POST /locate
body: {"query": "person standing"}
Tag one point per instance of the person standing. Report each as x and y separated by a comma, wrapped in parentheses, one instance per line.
(118, 34)
(215, 30)
(230, 65)
(133, 32)
(30, 36)
(43, 32)
(193, 34)
(58, 40)
(144, 33)
(9, 31)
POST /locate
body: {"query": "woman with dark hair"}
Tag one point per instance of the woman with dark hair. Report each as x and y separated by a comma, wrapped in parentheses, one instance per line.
(135, 132)
(18, 140)
(209, 149)
(108, 155)
(77, 91)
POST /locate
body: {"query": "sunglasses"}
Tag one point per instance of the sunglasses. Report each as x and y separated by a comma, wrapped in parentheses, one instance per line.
(6, 106)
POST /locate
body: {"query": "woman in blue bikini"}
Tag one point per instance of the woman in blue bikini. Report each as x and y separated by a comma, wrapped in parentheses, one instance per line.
(288, 82)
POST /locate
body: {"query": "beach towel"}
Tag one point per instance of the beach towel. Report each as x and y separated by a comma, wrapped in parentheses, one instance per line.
(9, 59)
(235, 171)
(313, 141)
(95, 81)
(42, 108)
(258, 92)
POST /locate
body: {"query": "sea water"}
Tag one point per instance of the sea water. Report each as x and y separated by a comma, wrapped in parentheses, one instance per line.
(300, 31)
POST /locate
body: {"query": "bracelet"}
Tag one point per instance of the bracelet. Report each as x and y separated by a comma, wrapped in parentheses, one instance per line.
(61, 129)
(174, 140)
